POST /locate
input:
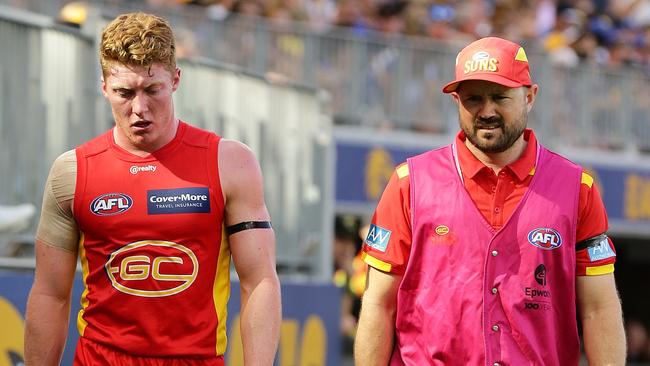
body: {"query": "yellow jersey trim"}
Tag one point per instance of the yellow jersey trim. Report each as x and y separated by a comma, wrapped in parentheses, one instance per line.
(221, 292)
(402, 171)
(376, 263)
(587, 179)
(81, 322)
(600, 270)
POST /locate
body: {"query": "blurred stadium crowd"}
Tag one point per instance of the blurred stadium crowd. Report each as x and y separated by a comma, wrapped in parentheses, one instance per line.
(604, 32)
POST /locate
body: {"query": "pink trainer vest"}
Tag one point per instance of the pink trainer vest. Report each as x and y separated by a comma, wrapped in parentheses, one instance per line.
(472, 295)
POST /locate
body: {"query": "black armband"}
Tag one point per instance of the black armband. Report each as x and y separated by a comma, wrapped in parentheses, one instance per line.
(591, 242)
(247, 225)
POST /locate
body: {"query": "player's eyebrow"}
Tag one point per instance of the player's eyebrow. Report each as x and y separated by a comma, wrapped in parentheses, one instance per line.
(119, 85)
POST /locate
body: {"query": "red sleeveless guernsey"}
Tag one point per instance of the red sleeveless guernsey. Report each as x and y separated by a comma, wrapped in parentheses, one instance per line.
(155, 265)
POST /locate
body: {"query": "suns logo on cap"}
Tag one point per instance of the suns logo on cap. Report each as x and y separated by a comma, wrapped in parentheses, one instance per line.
(480, 55)
(481, 61)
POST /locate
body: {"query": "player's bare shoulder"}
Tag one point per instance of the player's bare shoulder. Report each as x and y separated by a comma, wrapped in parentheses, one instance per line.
(62, 177)
(238, 168)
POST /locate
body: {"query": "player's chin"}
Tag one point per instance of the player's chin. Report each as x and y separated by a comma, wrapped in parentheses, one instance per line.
(141, 139)
(489, 143)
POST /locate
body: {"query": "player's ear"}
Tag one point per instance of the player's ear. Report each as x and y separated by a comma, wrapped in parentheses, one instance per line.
(455, 96)
(176, 79)
(104, 91)
(531, 94)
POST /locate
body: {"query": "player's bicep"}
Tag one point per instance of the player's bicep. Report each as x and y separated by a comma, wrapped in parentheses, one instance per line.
(595, 293)
(253, 254)
(55, 270)
(242, 184)
(381, 288)
(251, 239)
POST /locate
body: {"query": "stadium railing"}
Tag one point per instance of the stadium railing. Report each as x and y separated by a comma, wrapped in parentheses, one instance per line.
(51, 102)
(391, 81)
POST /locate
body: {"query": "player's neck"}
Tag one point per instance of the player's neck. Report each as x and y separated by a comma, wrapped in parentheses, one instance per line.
(497, 161)
(145, 147)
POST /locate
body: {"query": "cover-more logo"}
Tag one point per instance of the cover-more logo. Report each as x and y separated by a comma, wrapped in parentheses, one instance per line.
(111, 204)
(135, 169)
(152, 268)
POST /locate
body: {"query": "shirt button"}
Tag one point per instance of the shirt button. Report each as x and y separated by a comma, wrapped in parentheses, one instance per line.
(495, 328)
(494, 189)
(494, 290)
(495, 253)
(497, 209)
(496, 364)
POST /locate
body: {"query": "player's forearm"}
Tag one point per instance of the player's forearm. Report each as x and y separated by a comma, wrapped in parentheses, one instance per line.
(373, 344)
(261, 316)
(46, 328)
(604, 335)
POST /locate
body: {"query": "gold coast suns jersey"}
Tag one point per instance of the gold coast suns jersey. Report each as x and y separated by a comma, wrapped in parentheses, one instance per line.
(155, 262)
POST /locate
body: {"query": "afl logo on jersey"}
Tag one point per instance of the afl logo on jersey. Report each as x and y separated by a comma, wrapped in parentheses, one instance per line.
(111, 204)
(152, 268)
(545, 238)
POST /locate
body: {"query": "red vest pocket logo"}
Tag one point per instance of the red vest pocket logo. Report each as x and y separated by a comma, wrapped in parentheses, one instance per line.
(111, 204)
(152, 268)
(442, 230)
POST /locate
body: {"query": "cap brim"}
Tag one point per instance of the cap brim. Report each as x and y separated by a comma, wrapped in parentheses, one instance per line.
(494, 78)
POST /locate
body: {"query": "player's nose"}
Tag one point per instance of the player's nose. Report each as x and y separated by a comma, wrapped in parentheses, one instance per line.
(487, 109)
(140, 104)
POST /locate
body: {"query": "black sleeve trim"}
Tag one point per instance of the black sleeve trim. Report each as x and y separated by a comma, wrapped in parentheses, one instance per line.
(247, 225)
(591, 242)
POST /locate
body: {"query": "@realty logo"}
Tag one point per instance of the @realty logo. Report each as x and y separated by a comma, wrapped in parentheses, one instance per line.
(135, 169)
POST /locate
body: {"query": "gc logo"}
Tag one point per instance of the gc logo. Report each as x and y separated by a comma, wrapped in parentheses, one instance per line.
(152, 268)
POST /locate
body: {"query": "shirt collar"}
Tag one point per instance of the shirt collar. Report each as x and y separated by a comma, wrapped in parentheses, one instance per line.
(522, 167)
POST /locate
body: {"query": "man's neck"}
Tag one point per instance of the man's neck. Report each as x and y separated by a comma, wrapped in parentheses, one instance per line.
(145, 149)
(497, 161)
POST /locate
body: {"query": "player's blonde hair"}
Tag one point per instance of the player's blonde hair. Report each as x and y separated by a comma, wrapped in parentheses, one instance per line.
(137, 39)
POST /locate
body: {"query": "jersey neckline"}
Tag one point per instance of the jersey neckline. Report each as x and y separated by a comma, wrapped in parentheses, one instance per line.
(124, 155)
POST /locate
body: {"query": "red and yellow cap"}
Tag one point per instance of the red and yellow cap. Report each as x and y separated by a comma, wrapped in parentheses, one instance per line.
(492, 59)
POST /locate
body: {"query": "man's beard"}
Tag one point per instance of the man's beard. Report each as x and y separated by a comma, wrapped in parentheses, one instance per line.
(502, 142)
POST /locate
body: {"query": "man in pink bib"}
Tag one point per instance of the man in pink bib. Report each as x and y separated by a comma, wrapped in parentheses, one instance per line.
(489, 250)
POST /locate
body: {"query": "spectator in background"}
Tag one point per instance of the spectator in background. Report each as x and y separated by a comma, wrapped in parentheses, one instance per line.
(416, 17)
(564, 28)
(350, 15)
(349, 275)
(321, 14)
(74, 13)
(638, 343)
(390, 17)
(186, 46)
(249, 8)
(567, 31)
